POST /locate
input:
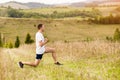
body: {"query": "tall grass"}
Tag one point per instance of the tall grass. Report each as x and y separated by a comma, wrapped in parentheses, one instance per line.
(96, 60)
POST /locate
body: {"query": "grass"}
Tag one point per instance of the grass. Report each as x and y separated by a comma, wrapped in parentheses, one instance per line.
(94, 60)
(58, 9)
(56, 30)
(104, 10)
(82, 61)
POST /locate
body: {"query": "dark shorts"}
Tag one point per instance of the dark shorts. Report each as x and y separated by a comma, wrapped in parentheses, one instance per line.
(39, 56)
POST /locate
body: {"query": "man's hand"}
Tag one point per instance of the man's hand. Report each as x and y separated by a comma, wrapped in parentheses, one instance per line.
(46, 40)
(43, 43)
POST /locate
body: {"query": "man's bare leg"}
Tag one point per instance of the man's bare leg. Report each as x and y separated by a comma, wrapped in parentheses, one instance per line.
(51, 50)
(34, 64)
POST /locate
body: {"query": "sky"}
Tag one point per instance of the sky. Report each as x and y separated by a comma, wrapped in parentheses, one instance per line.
(44, 1)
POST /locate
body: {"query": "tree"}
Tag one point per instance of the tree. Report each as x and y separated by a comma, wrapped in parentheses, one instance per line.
(14, 13)
(28, 39)
(17, 42)
(117, 35)
(10, 45)
(111, 19)
(0, 40)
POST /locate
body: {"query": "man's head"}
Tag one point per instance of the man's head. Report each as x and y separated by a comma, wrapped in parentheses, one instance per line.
(41, 27)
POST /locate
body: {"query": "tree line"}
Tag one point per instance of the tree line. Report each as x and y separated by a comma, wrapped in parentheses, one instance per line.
(111, 19)
(5, 44)
(28, 40)
(9, 12)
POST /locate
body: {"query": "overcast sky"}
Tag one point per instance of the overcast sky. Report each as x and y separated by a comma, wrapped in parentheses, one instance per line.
(44, 1)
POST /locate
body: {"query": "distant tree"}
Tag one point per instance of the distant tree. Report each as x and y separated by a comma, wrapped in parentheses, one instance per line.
(1, 41)
(14, 13)
(109, 38)
(117, 35)
(55, 12)
(28, 39)
(6, 45)
(17, 42)
(111, 19)
(10, 45)
(9, 7)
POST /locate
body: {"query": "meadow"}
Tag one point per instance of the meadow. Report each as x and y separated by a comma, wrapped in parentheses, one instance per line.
(58, 9)
(80, 45)
(56, 30)
(82, 61)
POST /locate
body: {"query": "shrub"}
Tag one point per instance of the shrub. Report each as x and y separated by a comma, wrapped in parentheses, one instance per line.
(28, 39)
(10, 45)
(6, 45)
(0, 40)
(109, 38)
(14, 13)
(17, 42)
(116, 35)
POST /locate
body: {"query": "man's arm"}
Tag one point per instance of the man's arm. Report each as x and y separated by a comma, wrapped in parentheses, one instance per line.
(43, 43)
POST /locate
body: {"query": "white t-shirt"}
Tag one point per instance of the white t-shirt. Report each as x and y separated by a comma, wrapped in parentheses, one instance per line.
(39, 49)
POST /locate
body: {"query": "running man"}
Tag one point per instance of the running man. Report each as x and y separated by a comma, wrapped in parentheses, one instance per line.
(40, 49)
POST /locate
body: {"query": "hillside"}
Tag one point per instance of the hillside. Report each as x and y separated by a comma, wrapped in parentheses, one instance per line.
(92, 3)
(80, 46)
(110, 4)
(14, 5)
(30, 5)
(18, 5)
(79, 4)
(36, 5)
(82, 30)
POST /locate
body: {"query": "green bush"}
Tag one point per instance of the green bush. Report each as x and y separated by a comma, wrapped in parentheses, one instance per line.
(8, 45)
(116, 35)
(14, 13)
(109, 38)
(28, 39)
(17, 42)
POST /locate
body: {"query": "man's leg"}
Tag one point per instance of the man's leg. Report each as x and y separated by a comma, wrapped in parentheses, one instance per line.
(34, 64)
(51, 50)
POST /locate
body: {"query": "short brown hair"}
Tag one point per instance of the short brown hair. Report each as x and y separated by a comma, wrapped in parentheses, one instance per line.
(40, 26)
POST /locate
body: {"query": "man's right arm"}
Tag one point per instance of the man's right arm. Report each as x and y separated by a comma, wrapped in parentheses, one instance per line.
(43, 43)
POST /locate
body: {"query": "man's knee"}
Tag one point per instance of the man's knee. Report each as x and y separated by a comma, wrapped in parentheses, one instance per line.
(36, 64)
(53, 50)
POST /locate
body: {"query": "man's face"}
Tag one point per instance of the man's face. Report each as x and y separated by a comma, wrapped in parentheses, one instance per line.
(43, 28)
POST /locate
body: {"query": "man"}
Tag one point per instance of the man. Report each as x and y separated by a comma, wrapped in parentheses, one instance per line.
(40, 49)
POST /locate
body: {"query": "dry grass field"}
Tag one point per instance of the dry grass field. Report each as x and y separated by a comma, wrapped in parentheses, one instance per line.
(56, 30)
(95, 60)
(81, 46)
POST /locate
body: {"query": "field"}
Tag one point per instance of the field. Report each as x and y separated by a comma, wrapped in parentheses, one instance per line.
(104, 10)
(58, 9)
(81, 46)
(56, 30)
(82, 61)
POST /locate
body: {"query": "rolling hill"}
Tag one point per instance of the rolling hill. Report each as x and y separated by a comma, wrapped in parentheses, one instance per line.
(31, 5)
(96, 3)
(18, 5)
(14, 5)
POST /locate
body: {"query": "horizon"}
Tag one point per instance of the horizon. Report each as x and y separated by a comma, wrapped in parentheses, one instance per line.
(45, 1)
